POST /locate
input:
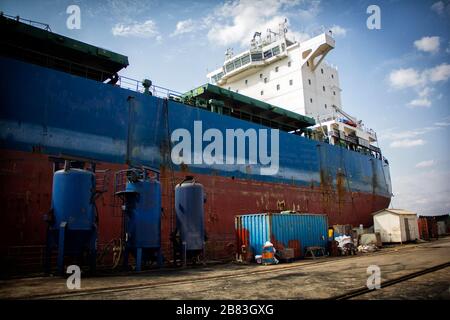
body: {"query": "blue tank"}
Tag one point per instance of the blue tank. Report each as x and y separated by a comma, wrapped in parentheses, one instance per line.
(73, 198)
(72, 220)
(143, 218)
(189, 200)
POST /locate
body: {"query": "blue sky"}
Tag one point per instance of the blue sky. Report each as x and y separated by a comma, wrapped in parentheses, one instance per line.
(395, 79)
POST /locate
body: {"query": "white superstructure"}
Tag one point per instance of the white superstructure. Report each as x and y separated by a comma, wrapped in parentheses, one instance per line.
(294, 76)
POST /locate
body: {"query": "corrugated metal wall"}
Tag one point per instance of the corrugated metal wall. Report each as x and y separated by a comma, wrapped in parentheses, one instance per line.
(297, 231)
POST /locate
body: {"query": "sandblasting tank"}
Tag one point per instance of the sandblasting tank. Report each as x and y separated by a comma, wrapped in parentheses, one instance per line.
(72, 220)
(72, 195)
(189, 202)
(142, 215)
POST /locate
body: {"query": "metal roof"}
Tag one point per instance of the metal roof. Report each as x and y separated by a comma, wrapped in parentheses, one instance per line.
(396, 211)
(288, 119)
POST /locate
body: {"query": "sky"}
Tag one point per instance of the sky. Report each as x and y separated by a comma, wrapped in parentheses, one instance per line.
(396, 78)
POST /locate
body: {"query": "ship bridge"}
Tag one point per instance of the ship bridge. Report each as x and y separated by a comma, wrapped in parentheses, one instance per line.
(248, 61)
(264, 52)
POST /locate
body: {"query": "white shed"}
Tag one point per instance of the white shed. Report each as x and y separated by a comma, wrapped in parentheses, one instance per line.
(396, 225)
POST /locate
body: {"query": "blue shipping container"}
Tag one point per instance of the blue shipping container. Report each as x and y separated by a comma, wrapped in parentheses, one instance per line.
(296, 231)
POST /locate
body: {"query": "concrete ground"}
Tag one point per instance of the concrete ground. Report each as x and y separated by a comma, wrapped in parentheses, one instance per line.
(305, 279)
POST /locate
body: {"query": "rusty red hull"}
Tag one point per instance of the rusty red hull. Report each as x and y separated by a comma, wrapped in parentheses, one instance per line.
(26, 183)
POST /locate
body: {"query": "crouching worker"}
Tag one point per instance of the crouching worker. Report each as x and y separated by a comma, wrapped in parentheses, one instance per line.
(268, 254)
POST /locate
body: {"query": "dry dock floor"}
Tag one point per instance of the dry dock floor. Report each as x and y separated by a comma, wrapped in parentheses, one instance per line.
(306, 279)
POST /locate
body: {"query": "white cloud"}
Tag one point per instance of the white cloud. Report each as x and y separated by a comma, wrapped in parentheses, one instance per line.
(299, 36)
(411, 138)
(407, 143)
(338, 31)
(428, 44)
(311, 11)
(422, 102)
(425, 92)
(440, 7)
(185, 26)
(425, 164)
(410, 192)
(442, 124)
(404, 78)
(236, 21)
(439, 73)
(420, 81)
(146, 29)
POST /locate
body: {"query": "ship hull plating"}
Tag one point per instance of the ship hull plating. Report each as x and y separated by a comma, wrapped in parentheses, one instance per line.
(28, 196)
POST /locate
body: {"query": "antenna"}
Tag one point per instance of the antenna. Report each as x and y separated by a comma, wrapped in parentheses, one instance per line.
(283, 28)
(254, 43)
(229, 53)
(269, 35)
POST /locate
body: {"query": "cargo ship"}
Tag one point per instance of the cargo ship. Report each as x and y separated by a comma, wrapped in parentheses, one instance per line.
(64, 99)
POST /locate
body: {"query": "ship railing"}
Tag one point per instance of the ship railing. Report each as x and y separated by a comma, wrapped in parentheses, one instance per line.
(93, 73)
(30, 22)
(333, 116)
(138, 86)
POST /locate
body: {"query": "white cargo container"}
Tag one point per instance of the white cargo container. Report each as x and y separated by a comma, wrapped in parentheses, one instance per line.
(396, 225)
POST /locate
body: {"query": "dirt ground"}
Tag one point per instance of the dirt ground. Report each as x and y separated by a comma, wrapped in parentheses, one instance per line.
(305, 279)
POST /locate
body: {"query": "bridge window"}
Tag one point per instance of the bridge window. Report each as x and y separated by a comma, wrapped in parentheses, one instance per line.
(267, 54)
(257, 56)
(276, 50)
(245, 59)
(229, 67)
(237, 63)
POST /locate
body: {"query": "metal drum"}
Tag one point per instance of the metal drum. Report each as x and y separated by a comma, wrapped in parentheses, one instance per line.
(73, 198)
(189, 200)
(72, 220)
(143, 221)
(141, 196)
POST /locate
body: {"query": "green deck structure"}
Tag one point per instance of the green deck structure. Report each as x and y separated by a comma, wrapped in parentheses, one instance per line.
(23, 40)
(231, 103)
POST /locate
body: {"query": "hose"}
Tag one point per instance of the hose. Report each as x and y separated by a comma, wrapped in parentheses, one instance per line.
(117, 250)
